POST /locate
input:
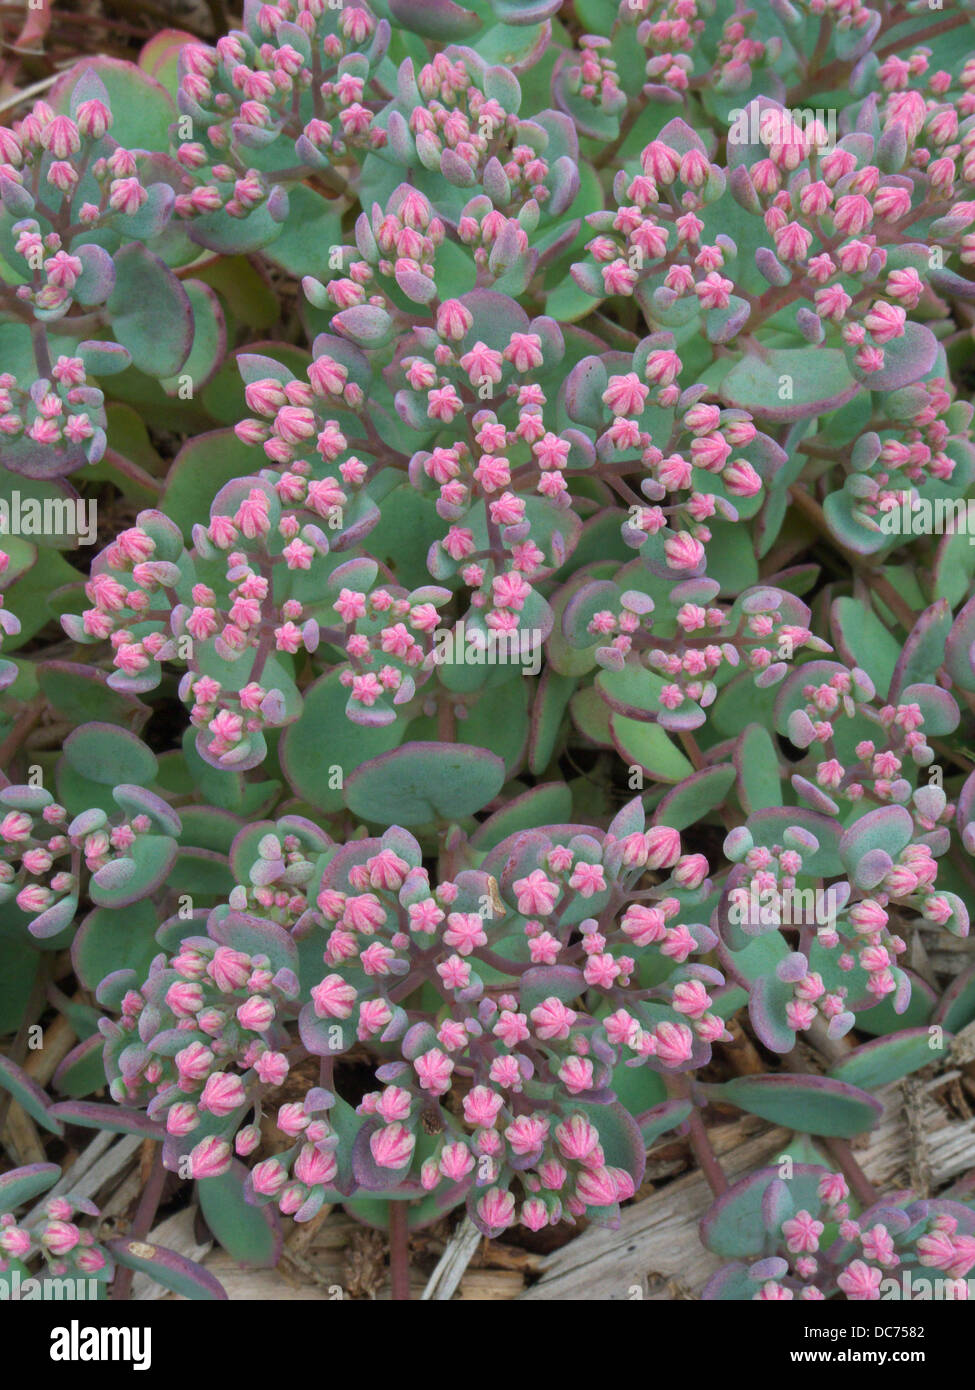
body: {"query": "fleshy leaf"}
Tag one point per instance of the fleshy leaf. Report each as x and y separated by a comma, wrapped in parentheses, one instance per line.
(888, 1059)
(808, 1104)
(167, 1267)
(424, 782)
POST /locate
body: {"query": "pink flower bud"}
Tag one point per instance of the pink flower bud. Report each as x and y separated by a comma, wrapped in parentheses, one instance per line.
(211, 1158)
(222, 1094)
(392, 1146)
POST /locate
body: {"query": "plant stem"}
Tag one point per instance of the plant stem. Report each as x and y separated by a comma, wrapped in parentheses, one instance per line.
(399, 1252)
(680, 1087)
(133, 472)
(860, 1185)
(693, 751)
(704, 1153)
(145, 1215)
(42, 352)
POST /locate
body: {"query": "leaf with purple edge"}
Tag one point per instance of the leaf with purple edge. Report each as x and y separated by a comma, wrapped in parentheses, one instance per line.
(324, 1037)
(865, 641)
(97, 278)
(107, 754)
(807, 1104)
(756, 762)
(619, 1136)
(734, 1227)
(732, 1283)
(307, 760)
(82, 1071)
(819, 380)
(938, 707)
(15, 1081)
(122, 882)
(255, 936)
(956, 1007)
(435, 19)
(167, 1267)
(767, 1002)
(151, 313)
(108, 940)
(888, 828)
(959, 646)
(18, 1186)
(251, 1235)
(649, 747)
(906, 359)
(924, 650)
(695, 797)
(424, 782)
(114, 1119)
(889, 1059)
(662, 1118)
(541, 982)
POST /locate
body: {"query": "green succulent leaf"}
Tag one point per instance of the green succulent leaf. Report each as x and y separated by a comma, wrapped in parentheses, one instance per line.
(249, 1234)
(424, 782)
(152, 314)
(808, 1104)
(167, 1267)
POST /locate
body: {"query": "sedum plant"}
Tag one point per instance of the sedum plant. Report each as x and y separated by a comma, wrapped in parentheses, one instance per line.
(487, 605)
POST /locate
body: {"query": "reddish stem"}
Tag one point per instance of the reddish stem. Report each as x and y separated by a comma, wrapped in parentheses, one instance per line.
(704, 1153)
(860, 1185)
(399, 1252)
(145, 1215)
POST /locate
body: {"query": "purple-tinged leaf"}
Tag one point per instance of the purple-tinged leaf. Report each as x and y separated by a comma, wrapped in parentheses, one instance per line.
(19, 1186)
(29, 1095)
(807, 1104)
(115, 1119)
(174, 1271)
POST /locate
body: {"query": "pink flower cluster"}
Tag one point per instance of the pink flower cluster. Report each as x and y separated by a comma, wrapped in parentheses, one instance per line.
(49, 153)
(39, 862)
(828, 1253)
(61, 414)
(655, 230)
(523, 1042)
(246, 92)
(68, 1249)
(44, 853)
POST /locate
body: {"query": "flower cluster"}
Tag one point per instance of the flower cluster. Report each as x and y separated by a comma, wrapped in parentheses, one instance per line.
(896, 1247)
(504, 1083)
(68, 1250)
(296, 77)
(55, 425)
(494, 414)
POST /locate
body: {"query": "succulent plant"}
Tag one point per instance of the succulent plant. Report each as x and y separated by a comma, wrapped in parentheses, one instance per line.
(69, 1252)
(819, 1250)
(544, 975)
(529, 632)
